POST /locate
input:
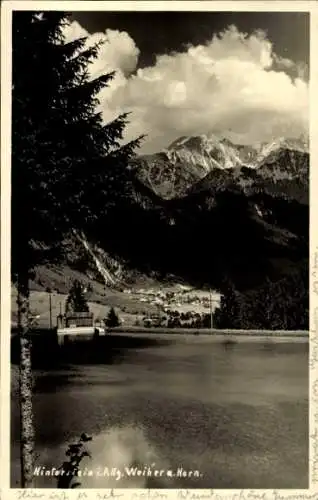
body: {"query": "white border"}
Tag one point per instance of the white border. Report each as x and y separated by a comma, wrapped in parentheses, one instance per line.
(195, 494)
(165, 5)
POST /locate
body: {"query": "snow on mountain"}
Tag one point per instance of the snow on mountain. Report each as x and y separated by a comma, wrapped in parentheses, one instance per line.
(300, 145)
(189, 159)
(207, 151)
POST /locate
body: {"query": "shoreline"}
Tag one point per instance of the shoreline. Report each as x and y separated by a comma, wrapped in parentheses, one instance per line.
(135, 331)
(207, 332)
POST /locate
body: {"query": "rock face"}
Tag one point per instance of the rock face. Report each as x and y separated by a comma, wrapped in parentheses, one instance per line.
(177, 169)
(205, 209)
(220, 209)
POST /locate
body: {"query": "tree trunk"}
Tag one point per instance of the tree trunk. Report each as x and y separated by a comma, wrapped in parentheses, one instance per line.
(25, 383)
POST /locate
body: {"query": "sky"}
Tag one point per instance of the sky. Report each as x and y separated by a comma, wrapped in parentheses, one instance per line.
(240, 75)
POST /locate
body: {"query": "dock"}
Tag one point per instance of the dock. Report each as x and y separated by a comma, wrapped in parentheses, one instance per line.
(73, 327)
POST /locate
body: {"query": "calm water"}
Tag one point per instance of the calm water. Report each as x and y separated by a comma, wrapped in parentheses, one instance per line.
(237, 414)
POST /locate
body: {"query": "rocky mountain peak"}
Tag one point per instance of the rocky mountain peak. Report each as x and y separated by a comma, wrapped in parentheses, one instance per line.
(189, 159)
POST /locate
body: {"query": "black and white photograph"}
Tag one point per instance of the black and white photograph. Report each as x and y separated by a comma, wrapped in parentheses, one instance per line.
(160, 242)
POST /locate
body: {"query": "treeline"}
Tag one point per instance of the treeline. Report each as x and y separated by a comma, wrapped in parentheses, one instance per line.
(281, 305)
(201, 238)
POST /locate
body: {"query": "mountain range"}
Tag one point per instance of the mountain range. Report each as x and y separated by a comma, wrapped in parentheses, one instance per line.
(208, 211)
(174, 171)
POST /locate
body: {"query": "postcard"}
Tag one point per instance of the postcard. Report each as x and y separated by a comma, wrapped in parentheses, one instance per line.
(159, 259)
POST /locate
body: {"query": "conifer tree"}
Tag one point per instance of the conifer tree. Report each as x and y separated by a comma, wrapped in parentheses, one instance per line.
(67, 165)
(228, 316)
(112, 319)
(76, 301)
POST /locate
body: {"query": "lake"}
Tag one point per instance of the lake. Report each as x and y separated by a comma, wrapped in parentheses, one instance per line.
(215, 414)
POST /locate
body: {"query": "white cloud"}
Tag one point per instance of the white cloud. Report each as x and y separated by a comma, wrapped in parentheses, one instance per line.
(73, 31)
(234, 84)
(119, 51)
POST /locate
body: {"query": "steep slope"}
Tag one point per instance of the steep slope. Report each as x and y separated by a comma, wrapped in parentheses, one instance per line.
(282, 173)
(244, 220)
(172, 172)
(207, 210)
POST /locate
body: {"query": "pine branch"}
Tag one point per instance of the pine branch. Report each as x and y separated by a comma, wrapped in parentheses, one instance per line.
(68, 50)
(127, 151)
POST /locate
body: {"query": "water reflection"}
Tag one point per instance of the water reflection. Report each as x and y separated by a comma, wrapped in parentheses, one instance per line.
(116, 457)
(234, 411)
